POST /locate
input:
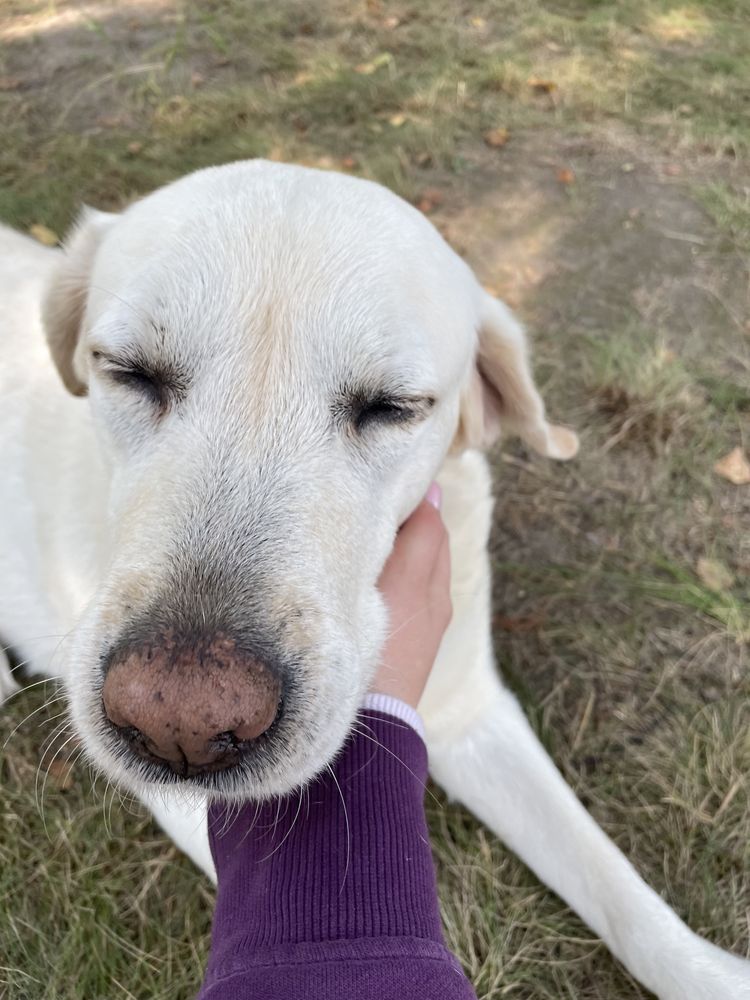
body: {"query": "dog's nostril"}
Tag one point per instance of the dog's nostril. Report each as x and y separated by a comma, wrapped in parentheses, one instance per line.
(193, 705)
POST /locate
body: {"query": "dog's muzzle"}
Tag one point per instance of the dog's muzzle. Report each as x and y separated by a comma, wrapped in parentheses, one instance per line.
(193, 704)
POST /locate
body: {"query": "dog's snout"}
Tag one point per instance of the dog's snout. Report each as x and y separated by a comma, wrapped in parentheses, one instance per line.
(192, 704)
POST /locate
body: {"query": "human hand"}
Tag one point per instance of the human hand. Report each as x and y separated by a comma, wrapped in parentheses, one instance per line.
(415, 583)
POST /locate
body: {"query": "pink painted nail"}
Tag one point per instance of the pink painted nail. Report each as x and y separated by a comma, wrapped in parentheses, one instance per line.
(435, 496)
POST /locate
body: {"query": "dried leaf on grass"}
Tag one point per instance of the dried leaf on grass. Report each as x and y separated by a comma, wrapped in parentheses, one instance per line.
(368, 68)
(714, 574)
(496, 137)
(522, 623)
(429, 200)
(734, 467)
(542, 86)
(61, 772)
(565, 176)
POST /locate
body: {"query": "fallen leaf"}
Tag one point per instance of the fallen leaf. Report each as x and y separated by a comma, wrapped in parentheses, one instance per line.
(714, 574)
(429, 200)
(45, 235)
(565, 176)
(368, 68)
(61, 772)
(734, 467)
(10, 82)
(542, 86)
(496, 137)
(523, 623)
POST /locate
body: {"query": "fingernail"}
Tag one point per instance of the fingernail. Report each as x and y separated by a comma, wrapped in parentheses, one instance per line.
(435, 496)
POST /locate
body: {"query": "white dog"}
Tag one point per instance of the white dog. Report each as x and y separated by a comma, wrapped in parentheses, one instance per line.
(277, 362)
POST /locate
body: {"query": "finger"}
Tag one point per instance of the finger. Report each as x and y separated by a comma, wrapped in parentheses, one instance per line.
(422, 535)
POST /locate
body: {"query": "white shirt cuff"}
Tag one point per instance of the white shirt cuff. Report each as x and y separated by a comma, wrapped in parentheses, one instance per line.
(389, 705)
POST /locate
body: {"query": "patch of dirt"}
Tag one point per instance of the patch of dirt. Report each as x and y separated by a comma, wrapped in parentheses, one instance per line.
(624, 246)
(77, 64)
(625, 239)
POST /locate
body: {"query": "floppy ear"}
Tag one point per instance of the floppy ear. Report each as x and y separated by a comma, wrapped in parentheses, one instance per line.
(64, 301)
(501, 394)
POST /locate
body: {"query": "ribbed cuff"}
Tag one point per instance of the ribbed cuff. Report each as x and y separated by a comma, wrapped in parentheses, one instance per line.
(347, 858)
(389, 705)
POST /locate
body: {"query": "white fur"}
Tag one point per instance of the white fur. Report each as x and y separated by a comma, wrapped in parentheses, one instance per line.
(269, 285)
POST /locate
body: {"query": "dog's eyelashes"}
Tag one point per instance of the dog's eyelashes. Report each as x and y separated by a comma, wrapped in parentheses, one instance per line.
(365, 411)
(141, 381)
(382, 411)
(156, 385)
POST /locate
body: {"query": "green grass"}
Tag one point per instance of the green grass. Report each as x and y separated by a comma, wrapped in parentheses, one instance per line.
(632, 278)
(731, 210)
(271, 80)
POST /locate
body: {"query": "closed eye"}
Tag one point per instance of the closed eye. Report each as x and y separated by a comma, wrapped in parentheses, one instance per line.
(381, 410)
(155, 386)
(141, 381)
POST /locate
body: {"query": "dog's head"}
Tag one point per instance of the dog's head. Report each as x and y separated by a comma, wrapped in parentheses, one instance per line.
(277, 361)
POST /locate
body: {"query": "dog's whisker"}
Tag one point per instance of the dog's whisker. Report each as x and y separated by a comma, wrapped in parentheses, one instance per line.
(346, 823)
(23, 663)
(289, 831)
(389, 720)
(50, 739)
(404, 765)
(41, 708)
(39, 799)
(106, 814)
(29, 687)
(251, 826)
(139, 313)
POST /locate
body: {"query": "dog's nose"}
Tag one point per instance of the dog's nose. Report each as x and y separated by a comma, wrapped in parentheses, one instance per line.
(192, 704)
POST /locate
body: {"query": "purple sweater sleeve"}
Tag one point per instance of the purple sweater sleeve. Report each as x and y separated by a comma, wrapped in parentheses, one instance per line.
(330, 893)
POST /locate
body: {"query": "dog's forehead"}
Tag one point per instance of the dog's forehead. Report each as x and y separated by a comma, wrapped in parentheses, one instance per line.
(254, 253)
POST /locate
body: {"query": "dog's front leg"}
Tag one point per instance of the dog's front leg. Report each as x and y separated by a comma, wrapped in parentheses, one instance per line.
(498, 769)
